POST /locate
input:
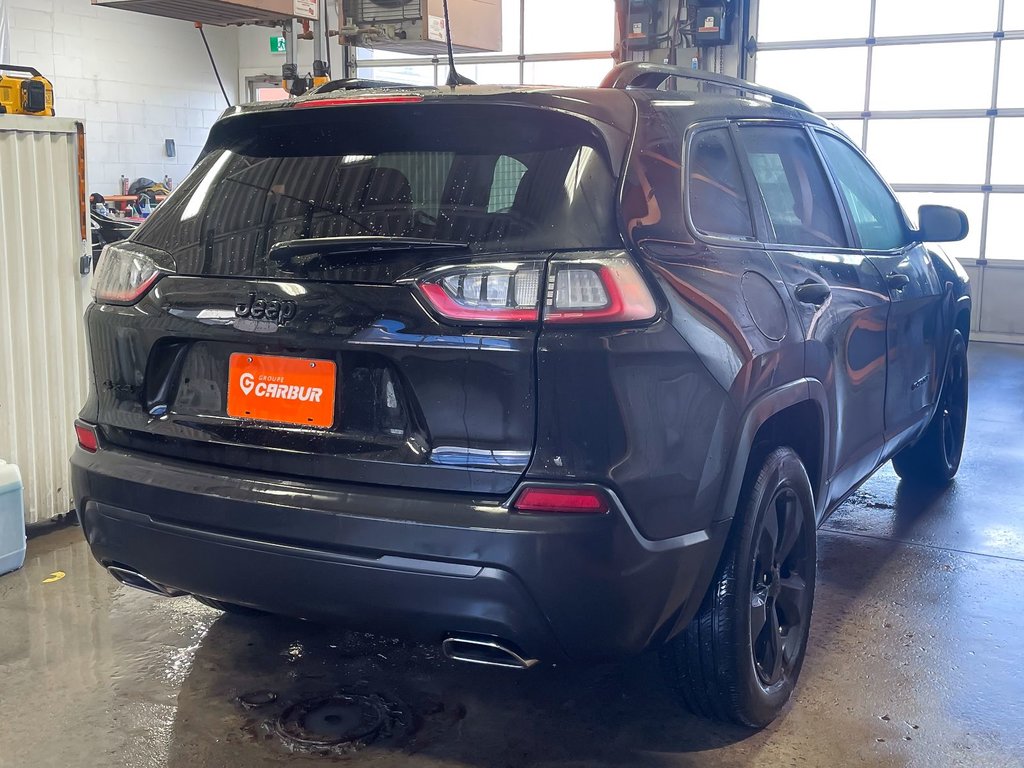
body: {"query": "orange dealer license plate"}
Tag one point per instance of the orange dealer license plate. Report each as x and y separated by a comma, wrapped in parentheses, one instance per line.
(284, 390)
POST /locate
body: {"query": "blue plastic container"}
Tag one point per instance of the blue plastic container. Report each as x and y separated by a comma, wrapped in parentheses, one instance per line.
(12, 519)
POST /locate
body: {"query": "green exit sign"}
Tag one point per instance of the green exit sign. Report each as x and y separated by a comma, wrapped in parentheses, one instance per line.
(278, 44)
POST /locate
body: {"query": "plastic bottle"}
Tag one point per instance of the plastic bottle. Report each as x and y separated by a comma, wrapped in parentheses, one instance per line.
(12, 519)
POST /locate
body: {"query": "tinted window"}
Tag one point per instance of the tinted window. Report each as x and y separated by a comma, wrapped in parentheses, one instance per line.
(794, 186)
(876, 216)
(718, 202)
(498, 178)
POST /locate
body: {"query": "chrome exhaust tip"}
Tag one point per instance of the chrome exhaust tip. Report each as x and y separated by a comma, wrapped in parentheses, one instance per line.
(135, 579)
(490, 652)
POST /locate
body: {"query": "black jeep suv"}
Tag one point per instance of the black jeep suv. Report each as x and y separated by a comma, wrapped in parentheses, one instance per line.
(532, 373)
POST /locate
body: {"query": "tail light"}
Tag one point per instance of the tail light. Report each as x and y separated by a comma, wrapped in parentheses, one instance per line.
(596, 290)
(87, 437)
(486, 293)
(552, 500)
(126, 271)
(607, 290)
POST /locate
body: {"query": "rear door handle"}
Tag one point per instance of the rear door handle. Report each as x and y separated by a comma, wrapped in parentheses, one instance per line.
(811, 292)
(897, 280)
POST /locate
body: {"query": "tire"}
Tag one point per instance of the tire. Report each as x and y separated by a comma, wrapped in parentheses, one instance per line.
(935, 458)
(740, 657)
(237, 610)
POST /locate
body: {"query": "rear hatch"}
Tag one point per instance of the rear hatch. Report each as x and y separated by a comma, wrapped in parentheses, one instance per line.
(291, 327)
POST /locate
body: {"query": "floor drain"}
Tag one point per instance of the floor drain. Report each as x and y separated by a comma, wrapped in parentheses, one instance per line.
(340, 720)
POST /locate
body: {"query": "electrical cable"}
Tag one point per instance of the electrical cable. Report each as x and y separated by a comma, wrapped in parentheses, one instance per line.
(220, 82)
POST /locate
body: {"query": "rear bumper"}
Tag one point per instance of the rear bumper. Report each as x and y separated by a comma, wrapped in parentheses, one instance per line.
(404, 563)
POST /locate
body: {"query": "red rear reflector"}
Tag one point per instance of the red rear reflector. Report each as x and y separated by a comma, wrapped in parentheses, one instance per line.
(571, 500)
(87, 437)
(356, 101)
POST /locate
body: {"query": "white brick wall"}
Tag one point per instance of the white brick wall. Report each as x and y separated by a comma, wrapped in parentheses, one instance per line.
(135, 79)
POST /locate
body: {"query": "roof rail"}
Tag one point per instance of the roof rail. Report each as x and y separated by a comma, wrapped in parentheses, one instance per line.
(358, 84)
(644, 74)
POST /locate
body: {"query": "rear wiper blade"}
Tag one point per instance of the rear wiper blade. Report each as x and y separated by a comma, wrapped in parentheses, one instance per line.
(310, 251)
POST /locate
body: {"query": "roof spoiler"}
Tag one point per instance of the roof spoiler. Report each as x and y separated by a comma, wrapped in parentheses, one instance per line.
(644, 74)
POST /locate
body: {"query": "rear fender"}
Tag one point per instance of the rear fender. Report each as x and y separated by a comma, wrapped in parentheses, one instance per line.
(756, 416)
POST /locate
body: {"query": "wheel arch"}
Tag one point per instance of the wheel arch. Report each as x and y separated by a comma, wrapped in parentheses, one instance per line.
(962, 318)
(795, 415)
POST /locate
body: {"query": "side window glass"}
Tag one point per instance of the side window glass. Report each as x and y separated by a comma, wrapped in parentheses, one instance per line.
(877, 217)
(508, 175)
(794, 186)
(718, 201)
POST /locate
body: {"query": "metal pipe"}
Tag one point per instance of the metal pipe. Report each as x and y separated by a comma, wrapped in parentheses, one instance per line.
(489, 652)
(131, 578)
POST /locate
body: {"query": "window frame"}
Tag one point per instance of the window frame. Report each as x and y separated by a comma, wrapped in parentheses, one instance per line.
(756, 223)
(771, 238)
(912, 234)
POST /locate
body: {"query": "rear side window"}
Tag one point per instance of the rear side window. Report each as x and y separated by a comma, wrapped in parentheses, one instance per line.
(501, 179)
(718, 201)
(508, 175)
(795, 188)
(876, 216)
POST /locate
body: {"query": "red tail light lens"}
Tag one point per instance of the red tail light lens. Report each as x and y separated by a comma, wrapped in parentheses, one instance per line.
(549, 500)
(125, 273)
(608, 290)
(486, 293)
(87, 437)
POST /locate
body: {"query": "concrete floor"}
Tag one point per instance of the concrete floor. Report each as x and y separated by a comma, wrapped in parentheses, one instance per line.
(915, 659)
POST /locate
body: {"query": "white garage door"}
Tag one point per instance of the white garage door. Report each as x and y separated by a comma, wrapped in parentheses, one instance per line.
(932, 90)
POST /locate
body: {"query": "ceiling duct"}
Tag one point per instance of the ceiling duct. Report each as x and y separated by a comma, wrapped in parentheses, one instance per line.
(220, 12)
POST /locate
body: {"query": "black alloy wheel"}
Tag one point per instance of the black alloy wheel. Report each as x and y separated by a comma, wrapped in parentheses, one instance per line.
(740, 657)
(780, 602)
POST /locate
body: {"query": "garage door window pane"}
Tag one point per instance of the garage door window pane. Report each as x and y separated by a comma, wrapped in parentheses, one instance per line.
(1004, 217)
(1007, 156)
(852, 128)
(419, 75)
(1013, 16)
(932, 76)
(484, 74)
(829, 79)
(927, 17)
(376, 54)
(569, 26)
(968, 249)
(932, 151)
(584, 73)
(1011, 84)
(804, 20)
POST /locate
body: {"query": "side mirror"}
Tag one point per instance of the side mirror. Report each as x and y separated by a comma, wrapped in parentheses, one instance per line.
(940, 224)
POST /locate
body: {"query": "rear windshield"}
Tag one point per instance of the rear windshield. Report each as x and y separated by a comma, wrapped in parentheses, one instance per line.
(499, 178)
